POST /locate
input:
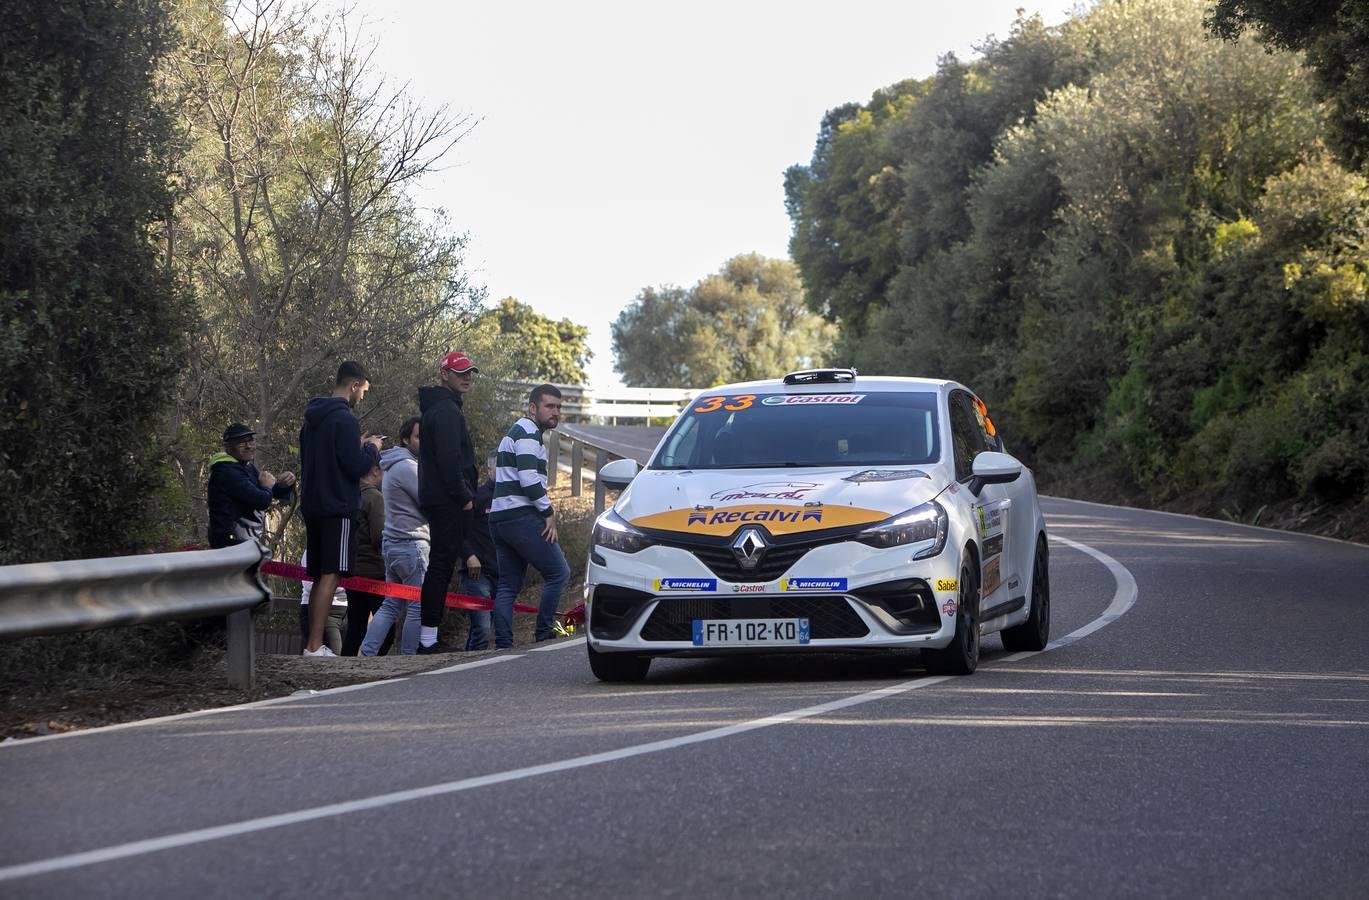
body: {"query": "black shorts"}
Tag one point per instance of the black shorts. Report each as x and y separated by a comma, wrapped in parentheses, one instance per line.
(331, 543)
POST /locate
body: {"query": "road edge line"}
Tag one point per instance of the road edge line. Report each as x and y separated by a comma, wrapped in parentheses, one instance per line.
(1124, 598)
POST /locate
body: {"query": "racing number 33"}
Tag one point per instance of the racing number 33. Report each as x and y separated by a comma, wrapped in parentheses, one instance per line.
(713, 404)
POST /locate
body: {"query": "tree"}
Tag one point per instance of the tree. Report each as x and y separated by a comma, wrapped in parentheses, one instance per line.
(541, 349)
(1334, 35)
(748, 321)
(92, 323)
(298, 228)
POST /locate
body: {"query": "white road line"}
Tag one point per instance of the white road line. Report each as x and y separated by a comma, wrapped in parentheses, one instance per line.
(1122, 600)
(256, 704)
(1163, 512)
(559, 645)
(460, 667)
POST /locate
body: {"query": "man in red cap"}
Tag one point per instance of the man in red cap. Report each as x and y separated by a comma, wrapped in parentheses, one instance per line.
(446, 486)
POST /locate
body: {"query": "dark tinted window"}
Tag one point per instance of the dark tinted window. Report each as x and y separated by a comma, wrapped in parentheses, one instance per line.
(727, 431)
(967, 438)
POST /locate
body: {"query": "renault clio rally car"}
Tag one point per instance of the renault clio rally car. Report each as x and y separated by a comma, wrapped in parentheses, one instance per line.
(822, 512)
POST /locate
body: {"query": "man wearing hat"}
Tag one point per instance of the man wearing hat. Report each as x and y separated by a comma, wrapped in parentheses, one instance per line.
(446, 486)
(239, 495)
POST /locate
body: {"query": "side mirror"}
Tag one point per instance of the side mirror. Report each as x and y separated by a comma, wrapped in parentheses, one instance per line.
(993, 468)
(618, 474)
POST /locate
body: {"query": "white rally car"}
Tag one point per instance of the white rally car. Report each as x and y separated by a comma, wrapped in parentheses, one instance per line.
(821, 512)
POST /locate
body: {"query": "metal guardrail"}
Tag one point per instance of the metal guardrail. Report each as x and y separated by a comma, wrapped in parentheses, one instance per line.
(560, 446)
(86, 594)
(579, 403)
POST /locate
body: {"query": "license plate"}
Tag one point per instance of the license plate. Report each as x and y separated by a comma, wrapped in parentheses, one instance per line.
(749, 632)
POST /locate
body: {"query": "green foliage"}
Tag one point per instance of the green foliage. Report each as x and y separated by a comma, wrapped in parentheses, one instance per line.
(746, 322)
(1128, 234)
(541, 349)
(92, 323)
(1334, 35)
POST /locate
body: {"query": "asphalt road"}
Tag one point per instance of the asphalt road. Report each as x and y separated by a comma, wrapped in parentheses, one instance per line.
(1201, 732)
(628, 441)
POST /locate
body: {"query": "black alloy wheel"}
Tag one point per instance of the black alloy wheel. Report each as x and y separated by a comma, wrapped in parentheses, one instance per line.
(961, 655)
(1035, 633)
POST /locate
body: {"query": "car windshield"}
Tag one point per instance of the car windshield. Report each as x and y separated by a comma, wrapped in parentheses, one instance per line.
(735, 431)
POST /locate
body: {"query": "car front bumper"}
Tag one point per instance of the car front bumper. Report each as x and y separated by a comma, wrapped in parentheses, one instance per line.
(871, 599)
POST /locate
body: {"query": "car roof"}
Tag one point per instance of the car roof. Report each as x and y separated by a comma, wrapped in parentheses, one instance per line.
(862, 382)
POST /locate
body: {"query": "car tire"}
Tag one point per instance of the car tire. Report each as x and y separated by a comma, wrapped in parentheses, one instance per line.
(1034, 633)
(961, 655)
(618, 667)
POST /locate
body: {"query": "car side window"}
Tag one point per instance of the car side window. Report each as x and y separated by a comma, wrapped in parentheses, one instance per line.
(967, 440)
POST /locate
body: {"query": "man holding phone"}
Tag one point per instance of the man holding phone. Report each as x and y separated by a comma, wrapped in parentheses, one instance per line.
(334, 455)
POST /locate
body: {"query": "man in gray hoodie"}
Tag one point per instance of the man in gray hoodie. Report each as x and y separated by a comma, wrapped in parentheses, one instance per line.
(405, 543)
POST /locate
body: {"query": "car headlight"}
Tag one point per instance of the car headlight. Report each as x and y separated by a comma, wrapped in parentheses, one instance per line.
(612, 532)
(918, 525)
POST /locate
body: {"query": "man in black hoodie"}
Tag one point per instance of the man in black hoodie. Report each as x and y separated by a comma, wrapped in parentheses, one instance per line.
(333, 457)
(446, 486)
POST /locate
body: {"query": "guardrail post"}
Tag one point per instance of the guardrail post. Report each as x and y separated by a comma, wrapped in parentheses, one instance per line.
(553, 458)
(577, 464)
(242, 669)
(601, 458)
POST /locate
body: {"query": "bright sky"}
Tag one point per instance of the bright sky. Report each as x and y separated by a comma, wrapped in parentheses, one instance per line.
(627, 144)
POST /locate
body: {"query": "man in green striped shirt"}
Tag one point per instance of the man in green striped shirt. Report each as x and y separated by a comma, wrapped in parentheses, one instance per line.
(522, 521)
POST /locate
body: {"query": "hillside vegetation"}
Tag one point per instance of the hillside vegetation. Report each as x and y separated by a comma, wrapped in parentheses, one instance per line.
(1130, 236)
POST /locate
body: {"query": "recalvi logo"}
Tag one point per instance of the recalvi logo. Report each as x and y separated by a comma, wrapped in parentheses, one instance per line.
(727, 517)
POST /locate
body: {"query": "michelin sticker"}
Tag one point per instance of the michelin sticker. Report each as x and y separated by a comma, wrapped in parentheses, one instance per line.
(666, 585)
(812, 584)
(810, 399)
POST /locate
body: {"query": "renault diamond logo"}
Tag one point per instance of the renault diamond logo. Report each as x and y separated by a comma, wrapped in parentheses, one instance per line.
(749, 547)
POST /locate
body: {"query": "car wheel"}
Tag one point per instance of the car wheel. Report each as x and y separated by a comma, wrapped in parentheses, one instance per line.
(618, 666)
(961, 655)
(1034, 633)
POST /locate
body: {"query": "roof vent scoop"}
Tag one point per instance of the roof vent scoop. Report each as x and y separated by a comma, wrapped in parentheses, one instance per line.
(821, 376)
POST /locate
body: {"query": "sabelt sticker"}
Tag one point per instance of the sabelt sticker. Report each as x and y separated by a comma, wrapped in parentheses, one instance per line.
(813, 584)
(664, 585)
(947, 584)
(776, 519)
(810, 399)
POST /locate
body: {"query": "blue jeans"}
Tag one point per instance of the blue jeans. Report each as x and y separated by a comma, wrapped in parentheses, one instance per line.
(478, 636)
(405, 563)
(518, 543)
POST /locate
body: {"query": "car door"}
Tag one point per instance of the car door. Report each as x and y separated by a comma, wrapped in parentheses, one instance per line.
(992, 509)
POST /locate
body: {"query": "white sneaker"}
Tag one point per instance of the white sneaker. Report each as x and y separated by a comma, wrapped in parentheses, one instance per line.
(321, 651)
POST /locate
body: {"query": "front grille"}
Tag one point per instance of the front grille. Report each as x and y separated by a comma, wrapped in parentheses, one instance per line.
(780, 555)
(775, 562)
(828, 617)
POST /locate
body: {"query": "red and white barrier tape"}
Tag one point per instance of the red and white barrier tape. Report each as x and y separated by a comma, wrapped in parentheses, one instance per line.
(389, 589)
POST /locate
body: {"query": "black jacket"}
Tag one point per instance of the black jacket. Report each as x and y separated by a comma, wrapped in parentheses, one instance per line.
(332, 459)
(446, 459)
(237, 501)
(479, 542)
(370, 523)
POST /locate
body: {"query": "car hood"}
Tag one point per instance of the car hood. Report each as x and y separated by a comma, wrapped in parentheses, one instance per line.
(784, 500)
